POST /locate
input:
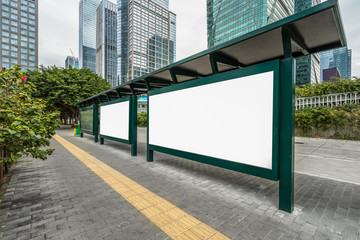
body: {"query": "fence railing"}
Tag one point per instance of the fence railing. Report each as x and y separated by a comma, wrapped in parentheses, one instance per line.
(329, 100)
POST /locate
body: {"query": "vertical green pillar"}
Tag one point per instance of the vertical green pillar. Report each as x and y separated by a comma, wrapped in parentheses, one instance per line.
(287, 121)
(149, 152)
(133, 125)
(96, 123)
(102, 141)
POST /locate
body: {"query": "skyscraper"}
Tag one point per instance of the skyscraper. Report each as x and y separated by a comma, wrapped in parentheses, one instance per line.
(228, 19)
(146, 37)
(71, 61)
(19, 33)
(307, 67)
(339, 58)
(106, 47)
(87, 33)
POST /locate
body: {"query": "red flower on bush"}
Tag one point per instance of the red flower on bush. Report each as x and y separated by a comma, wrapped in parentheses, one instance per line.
(3, 68)
(24, 78)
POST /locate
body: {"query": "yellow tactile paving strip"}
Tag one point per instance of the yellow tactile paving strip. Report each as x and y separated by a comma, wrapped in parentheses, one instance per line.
(172, 220)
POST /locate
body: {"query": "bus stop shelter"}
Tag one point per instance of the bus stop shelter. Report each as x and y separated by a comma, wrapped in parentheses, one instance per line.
(260, 141)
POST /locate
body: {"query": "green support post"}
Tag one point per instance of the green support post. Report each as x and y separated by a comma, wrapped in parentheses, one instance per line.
(133, 125)
(81, 135)
(149, 152)
(286, 146)
(96, 123)
(102, 141)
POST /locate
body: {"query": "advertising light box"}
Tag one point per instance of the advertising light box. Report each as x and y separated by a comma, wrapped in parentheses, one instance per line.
(114, 120)
(236, 127)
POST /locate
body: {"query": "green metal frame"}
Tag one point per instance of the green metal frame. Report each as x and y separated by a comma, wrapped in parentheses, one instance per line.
(132, 124)
(95, 130)
(240, 167)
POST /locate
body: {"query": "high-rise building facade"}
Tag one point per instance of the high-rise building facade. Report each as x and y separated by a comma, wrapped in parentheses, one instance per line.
(146, 37)
(87, 33)
(339, 58)
(71, 61)
(19, 33)
(106, 43)
(307, 67)
(228, 19)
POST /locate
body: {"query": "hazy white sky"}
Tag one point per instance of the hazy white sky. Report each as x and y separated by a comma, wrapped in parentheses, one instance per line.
(59, 29)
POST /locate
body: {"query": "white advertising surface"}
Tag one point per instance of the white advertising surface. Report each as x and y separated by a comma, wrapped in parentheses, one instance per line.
(114, 120)
(230, 120)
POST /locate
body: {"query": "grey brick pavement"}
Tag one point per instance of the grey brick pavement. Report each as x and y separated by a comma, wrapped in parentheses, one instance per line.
(61, 199)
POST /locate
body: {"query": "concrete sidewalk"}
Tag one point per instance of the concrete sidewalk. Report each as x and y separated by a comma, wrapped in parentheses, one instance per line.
(61, 198)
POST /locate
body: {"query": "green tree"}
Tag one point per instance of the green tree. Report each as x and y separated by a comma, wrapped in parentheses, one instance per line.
(62, 88)
(319, 89)
(25, 123)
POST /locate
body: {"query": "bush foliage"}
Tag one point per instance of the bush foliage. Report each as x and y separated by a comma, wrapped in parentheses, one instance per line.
(320, 89)
(26, 123)
(142, 119)
(341, 122)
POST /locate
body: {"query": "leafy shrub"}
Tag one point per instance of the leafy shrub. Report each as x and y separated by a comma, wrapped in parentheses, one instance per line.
(142, 119)
(25, 123)
(320, 89)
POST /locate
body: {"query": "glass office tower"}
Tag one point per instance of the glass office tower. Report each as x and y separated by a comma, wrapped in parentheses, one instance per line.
(106, 43)
(19, 33)
(146, 37)
(87, 33)
(337, 58)
(71, 61)
(228, 19)
(307, 67)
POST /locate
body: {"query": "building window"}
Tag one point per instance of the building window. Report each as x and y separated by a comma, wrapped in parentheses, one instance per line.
(14, 29)
(24, 44)
(14, 61)
(24, 56)
(24, 26)
(32, 58)
(14, 36)
(13, 16)
(31, 4)
(13, 10)
(14, 54)
(31, 45)
(31, 34)
(14, 4)
(31, 10)
(5, 1)
(5, 21)
(5, 46)
(23, 50)
(24, 7)
(13, 41)
(32, 22)
(24, 32)
(5, 27)
(32, 40)
(6, 65)
(14, 23)
(24, 63)
(31, 16)
(23, 38)
(5, 34)
(5, 14)
(23, 14)
(5, 59)
(5, 40)
(5, 52)
(14, 48)
(24, 20)
(32, 28)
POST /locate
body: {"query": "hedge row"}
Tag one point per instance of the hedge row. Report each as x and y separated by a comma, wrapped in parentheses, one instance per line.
(320, 89)
(341, 122)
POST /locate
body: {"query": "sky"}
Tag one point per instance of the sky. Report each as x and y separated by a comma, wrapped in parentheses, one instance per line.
(59, 29)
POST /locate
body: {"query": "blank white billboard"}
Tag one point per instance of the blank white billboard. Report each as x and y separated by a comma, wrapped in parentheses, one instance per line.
(114, 120)
(230, 120)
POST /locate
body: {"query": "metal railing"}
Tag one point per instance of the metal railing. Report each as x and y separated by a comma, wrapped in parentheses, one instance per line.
(329, 100)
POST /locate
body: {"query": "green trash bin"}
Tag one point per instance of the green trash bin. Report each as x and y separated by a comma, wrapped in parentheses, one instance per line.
(77, 130)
